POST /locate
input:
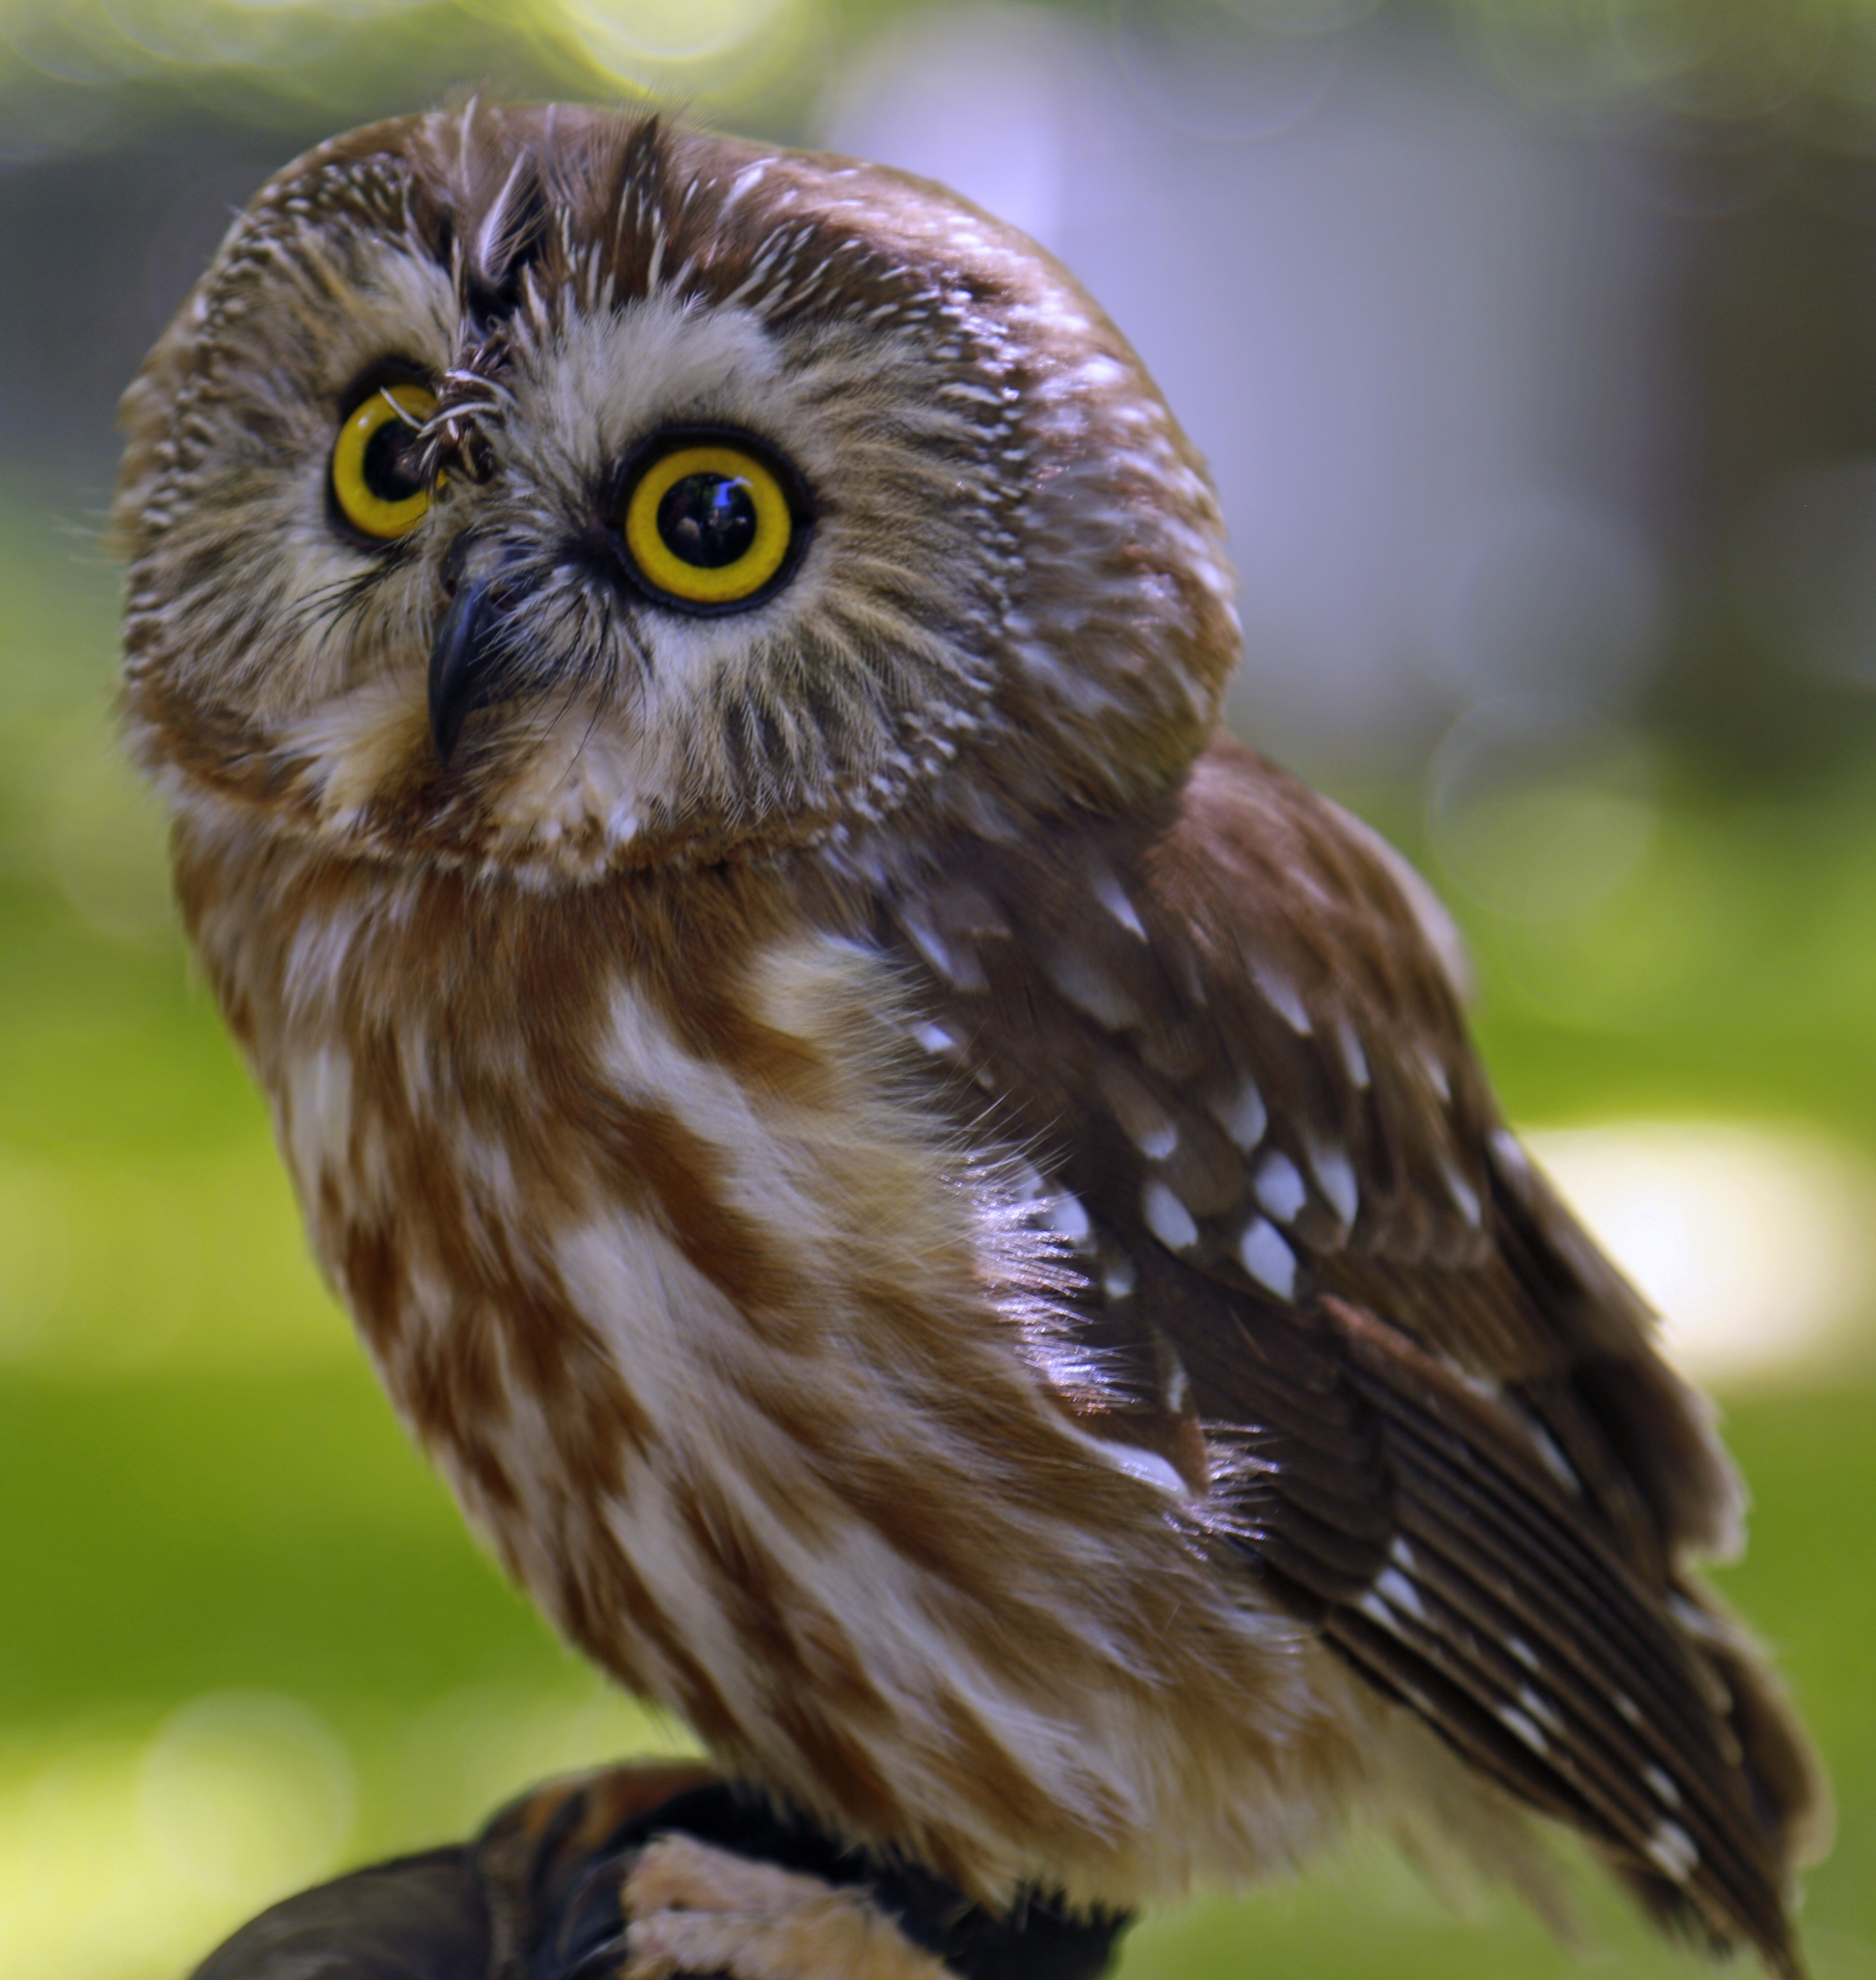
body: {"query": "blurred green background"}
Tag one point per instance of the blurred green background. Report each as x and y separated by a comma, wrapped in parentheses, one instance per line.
(1535, 344)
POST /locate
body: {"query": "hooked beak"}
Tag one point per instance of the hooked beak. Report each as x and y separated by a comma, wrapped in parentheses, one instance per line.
(466, 662)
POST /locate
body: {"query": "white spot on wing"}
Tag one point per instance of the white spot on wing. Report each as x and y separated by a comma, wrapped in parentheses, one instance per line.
(1672, 1850)
(1353, 1056)
(1091, 990)
(1281, 995)
(1336, 1174)
(1113, 896)
(959, 967)
(1626, 1707)
(1166, 1218)
(1376, 1610)
(1242, 1115)
(1462, 1194)
(936, 1040)
(1523, 1652)
(1555, 1462)
(1146, 1123)
(1527, 1729)
(1066, 1216)
(1540, 1708)
(1263, 1253)
(1662, 1785)
(1394, 1586)
(1147, 1466)
(1279, 1186)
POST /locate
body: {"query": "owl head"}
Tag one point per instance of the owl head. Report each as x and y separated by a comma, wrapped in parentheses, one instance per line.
(560, 489)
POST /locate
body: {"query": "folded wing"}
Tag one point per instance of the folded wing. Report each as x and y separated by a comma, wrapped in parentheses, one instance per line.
(1320, 1270)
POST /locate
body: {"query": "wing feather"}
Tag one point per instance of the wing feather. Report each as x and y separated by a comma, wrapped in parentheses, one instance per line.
(1230, 1038)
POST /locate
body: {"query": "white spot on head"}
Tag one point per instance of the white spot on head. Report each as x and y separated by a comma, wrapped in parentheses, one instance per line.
(1166, 1218)
(1672, 1850)
(936, 1040)
(1279, 1186)
(1264, 1255)
(1242, 1115)
(749, 176)
(1661, 1785)
(1522, 1728)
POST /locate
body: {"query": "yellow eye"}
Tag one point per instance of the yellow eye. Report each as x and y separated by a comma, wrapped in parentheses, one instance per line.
(374, 477)
(708, 525)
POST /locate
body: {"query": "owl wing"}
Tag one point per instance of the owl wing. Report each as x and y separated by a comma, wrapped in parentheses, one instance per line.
(1230, 1039)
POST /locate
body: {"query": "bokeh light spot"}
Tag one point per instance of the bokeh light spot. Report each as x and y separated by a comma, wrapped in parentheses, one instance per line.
(1757, 1245)
(247, 1794)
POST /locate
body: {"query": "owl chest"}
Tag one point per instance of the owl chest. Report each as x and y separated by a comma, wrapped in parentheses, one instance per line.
(597, 1265)
(688, 1333)
(618, 1203)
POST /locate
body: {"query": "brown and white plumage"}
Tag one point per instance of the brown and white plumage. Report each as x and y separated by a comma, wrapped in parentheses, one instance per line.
(942, 1218)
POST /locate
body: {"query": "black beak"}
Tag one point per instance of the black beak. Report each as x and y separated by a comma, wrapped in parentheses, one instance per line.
(466, 664)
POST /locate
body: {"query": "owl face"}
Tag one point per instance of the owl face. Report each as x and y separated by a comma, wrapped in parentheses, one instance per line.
(557, 490)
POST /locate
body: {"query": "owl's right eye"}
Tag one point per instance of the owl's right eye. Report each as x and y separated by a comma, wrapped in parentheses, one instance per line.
(375, 481)
(713, 520)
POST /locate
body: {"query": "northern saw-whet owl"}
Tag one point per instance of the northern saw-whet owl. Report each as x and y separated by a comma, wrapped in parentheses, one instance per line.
(938, 1213)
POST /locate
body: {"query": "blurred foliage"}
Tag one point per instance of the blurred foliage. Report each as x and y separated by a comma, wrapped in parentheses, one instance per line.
(88, 71)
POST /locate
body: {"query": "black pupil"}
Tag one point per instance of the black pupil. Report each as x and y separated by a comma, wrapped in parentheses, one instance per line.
(708, 520)
(389, 465)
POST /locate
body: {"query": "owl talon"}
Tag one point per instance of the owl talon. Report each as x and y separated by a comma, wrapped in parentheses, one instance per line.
(693, 1909)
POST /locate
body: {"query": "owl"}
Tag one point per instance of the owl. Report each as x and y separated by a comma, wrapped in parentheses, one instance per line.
(938, 1212)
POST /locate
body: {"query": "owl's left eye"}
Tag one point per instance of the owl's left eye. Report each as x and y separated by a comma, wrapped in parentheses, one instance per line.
(713, 522)
(375, 481)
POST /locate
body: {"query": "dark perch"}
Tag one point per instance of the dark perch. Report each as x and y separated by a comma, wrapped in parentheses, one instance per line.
(535, 1896)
